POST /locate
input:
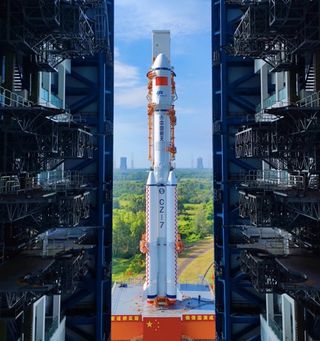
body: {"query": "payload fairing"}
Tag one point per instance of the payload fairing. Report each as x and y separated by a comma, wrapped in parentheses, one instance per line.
(161, 242)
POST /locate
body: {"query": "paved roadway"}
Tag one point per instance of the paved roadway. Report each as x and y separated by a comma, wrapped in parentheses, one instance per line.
(193, 252)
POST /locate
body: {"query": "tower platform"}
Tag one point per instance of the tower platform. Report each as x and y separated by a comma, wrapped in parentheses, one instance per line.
(191, 318)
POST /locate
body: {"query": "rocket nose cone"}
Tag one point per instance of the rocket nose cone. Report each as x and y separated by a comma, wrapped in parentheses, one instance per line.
(172, 178)
(161, 61)
(151, 178)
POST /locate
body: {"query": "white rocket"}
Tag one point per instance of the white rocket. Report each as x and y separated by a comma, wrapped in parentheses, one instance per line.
(161, 243)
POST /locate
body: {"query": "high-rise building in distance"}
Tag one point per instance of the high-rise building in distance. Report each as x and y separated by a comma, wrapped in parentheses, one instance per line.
(199, 163)
(123, 163)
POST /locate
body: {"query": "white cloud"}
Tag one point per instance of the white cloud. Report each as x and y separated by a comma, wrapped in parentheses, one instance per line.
(130, 92)
(126, 75)
(116, 52)
(131, 98)
(187, 111)
(134, 126)
(136, 19)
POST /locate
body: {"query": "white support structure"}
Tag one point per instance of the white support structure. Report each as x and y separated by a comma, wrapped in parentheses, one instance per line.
(39, 319)
(279, 324)
(46, 319)
(288, 318)
(161, 43)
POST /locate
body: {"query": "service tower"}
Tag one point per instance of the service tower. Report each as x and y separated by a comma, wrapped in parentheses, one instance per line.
(161, 242)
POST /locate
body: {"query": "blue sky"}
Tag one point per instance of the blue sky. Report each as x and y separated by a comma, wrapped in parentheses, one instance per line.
(189, 23)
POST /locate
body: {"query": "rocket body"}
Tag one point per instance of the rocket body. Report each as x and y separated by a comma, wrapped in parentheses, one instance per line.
(162, 101)
(160, 241)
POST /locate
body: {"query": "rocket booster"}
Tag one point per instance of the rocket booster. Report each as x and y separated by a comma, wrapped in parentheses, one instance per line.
(161, 242)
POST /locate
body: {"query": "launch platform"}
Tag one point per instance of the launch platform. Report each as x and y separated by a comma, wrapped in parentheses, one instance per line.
(191, 318)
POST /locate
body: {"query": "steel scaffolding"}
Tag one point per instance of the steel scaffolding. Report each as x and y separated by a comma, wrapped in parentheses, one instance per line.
(277, 30)
(56, 162)
(281, 143)
(54, 30)
(235, 96)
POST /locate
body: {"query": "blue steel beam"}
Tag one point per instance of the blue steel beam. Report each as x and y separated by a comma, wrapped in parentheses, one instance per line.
(89, 94)
(234, 99)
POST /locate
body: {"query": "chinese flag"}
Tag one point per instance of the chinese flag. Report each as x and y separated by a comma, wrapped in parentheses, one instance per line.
(161, 81)
(161, 329)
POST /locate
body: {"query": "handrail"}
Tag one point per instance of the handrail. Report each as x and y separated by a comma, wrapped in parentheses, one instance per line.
(12, 184)
(274, 178)
(9, 98)
(312, 100)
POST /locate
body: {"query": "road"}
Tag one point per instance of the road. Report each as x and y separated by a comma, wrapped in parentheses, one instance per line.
(193, 252)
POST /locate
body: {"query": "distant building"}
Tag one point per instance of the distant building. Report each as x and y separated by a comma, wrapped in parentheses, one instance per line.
(123, 163)
(199, 163)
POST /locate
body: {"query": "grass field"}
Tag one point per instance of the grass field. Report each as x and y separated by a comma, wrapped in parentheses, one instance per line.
(198, 267)
(191, 273)
(119, 269)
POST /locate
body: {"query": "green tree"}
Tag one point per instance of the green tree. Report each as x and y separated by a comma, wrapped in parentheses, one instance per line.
(132, 202)
(203, 225)
(128, 227)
